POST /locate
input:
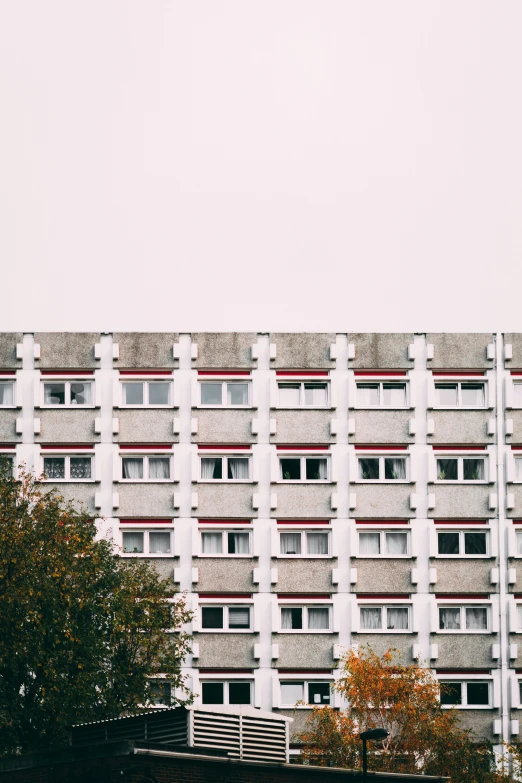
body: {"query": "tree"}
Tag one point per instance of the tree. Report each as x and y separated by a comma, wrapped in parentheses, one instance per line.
(81, 630)
(405, 700)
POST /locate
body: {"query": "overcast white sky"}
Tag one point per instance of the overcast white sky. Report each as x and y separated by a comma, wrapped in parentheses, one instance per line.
(260, 164)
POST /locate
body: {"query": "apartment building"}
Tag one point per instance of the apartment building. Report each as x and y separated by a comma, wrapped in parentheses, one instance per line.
(310, 492)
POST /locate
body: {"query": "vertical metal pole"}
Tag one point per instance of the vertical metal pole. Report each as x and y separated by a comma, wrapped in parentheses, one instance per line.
(365, 761)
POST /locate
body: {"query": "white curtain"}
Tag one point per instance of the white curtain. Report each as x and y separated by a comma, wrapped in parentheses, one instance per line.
(315, 395)
(397, 543)
(239, 617)
(237, 393)
(397, 619)
(394, 395)
(290, 543)
(208, 466)
(81, 393)
(316, 469)
(238, 543)
(395, 468)
(518, 466)
(133, 467)
(291, 692)
(449, 619)
(519, 543)
(80, 468)
(54, 467)
(159, 467)
(371, 618)
(238, 468)
(212, 543)
(133, 542)
(476, 619)
(472, 394)
(519, 617)
(286, 618)
(323, 469)
(367, 394)
(473, 469)
(517, 394)
(318, 619)
(369, 543)
(159, 543)
(6, 394)
(289, 395)
(317, 543)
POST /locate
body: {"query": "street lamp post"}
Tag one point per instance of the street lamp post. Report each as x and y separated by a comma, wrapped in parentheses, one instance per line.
(371, 734)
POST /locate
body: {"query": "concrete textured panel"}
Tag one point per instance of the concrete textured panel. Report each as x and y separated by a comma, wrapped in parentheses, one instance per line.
(153, 425)
(227, 650)
(382, 501)
(517, 565)
(80, 494)
(305, 650)
(461, 427)
(8, 343)
(301, 350)
(146, 349)
(63, 350)
(515, 340)
(66, 426)
(298, 725)
(382, 642)
(225, 575)
(224, 350)
(380, 351)
(516, 415)
(303, 426)
(224, 426)
(165, 567)
(466, 651)
(382, 426)
(516, 638)
(516, 512)
(467, 501)
(463, 576)
(145, 500)
(301, 501)
(303, 575)
(479, 721)
(460, 351)
(8, 426)
(225, 500)
(380, 575)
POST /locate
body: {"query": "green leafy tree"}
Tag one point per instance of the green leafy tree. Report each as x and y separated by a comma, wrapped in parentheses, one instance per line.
(82, 631)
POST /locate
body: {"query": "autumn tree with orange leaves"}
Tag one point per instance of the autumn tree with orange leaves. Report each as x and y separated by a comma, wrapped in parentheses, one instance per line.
(424, 737)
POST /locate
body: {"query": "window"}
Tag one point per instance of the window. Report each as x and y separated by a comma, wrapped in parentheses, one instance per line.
(227, 692)
(7, 460)
(145, 468)
(303, 468)
(519, 542)
(304, 543)
(383, 468)
(381, 395)
(384, 618)
(459, 394)
(465, 694)
(309, 692)
(518, 468)
(67, 393)
(230, 393)
(463, 619)
(68, 468)
(7, 394)
(517, 395)
(139, 542)
(303, 394)
(225, 468)
(151, 393)
(225, 618)
(305, 618)
(234, 543)
(461, 469)
(519, 617)
(462, 543)
(160, 693)
(383, 543)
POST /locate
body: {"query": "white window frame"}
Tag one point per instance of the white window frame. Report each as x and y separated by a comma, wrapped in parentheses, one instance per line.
(515, 405)
(305, 682)
(301, 382)
(146, 545)
(382, 532)
(305, 607)
(67, 383)
(477, 678)
(462, 532)
(226, 683)
(381, 457)
(145, 382)
(303, 457)
(145, 457)
(463, 630)
(517, 532)
(12, 381)
(460, 457)
(459, 382)
(224, 467)
(67, 456)
(224, 533)
(224, 383)
(303, 532)
(245, 604)
(379, 382)
(384, 614)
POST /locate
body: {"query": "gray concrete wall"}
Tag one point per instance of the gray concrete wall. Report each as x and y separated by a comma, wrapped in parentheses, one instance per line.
(154, 425)
(383, 575)
(224, 426)
(299, 717)
(296, 575)
(303, 426)
(66, 426)
(517, 565)
(460, 351)
(305, 650)
(382, 642)
(80, 494)
(146, 500)
(224, 350)
(380, 351)
(302, 350)
(382, 426)
(8, 425)
(221, 650)
(479, 721)
(225, 500)
(467, 501)
(461, 427)
(383, 501)
(63, 350)
(466, 651)
(225, 575)
(515, 340)
(8, 343)
(516, 416)
(164, 566)
(463, 576)
(301, 501)
(151, 350)
(516, 512)
(516, 638)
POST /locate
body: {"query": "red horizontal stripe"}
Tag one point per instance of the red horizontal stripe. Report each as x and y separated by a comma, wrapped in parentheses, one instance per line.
(305, 596)
(303, 521)
(394, 447)
(67, 372)
(232, 373)
(141, 446)
(382, 522)
(225, 596)
(516, 446)
(146, 372)
(301, 448)
(463, 447)
(8, 372)
(66, 446)
(300, 373)
(463, 671)
(146, 521)
(223, 446)
(6, 446)
(305, 671)
(384, 596)
(226, 671)
(458, 373)
(516, 372)
(518, 596)
(462, 596)
(460, 521)
(517, 521)
(224, 521)
(381, 373)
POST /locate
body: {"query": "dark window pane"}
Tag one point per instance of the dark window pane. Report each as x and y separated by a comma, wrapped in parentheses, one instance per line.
(318, 693)
(81, 393)
(475, 543)
(473, 469)
(291, 469)
(478, 693)
(212, 692)
(395, 468)
(448, 543)
(369, 467)
(160, 692)
(291, 618)
(316, 469)
(239, 693)
(212, 617)
(447, 469)
(239, 617)
(54, 393)
(81, 467)
(451, 693)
